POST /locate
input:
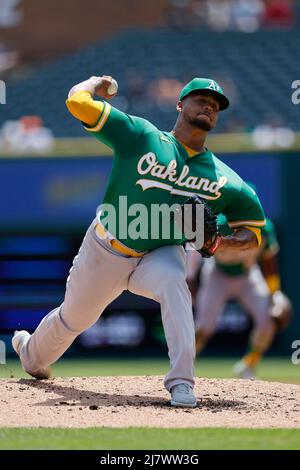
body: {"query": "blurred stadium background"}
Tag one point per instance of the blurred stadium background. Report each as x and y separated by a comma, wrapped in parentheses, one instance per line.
(52, 176)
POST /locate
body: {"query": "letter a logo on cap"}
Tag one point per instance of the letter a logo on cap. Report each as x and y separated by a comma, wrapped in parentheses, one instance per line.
(213, 86)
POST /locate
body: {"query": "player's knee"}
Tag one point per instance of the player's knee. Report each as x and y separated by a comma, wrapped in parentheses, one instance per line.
(264, 324)
(204, 333)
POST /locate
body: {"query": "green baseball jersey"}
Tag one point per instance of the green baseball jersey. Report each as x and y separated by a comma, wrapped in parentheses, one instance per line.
(152, 168)
(235, 263)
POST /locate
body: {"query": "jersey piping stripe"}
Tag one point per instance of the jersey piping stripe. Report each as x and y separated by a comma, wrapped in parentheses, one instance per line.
(102, 120)
(238, 223)
(257, 232)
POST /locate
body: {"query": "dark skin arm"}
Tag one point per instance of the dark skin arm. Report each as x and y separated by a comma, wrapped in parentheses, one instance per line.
(241, 239)
(270, 269)
(269, 265)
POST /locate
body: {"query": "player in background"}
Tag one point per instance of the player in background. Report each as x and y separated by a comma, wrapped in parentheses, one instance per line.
(250, 277)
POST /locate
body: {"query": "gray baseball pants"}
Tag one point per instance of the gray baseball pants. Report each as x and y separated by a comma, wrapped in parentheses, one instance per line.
(98, 276)
(217, 288)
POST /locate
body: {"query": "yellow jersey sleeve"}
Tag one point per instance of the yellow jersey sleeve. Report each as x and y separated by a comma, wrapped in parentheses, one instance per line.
(84, 108)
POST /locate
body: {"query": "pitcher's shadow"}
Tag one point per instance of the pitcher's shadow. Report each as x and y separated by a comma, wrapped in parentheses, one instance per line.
(69, 395)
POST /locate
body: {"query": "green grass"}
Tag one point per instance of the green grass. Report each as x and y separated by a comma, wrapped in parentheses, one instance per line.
(270, 369)
(149, 438)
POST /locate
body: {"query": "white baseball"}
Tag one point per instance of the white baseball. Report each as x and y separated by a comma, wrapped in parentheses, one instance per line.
(113, 87)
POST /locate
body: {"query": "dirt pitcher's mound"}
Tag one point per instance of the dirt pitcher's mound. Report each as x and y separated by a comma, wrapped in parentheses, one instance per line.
(143, 401)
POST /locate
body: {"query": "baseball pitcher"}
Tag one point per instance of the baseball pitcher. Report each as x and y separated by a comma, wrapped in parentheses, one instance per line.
(150, 167)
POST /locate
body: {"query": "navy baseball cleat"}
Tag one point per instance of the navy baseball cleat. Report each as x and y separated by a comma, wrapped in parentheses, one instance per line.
(183, 395)
(20, 338)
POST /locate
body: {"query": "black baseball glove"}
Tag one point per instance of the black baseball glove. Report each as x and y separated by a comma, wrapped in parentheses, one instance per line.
(191, 224)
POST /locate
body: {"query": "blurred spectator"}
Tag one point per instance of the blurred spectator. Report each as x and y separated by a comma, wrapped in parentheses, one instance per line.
(222, 15)
(279, 13)
(27, 134)
(216, 12)
(246, 15)
(179, 14)
(8, 58)
(9, 15)
(164, 93)
(272, 133)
